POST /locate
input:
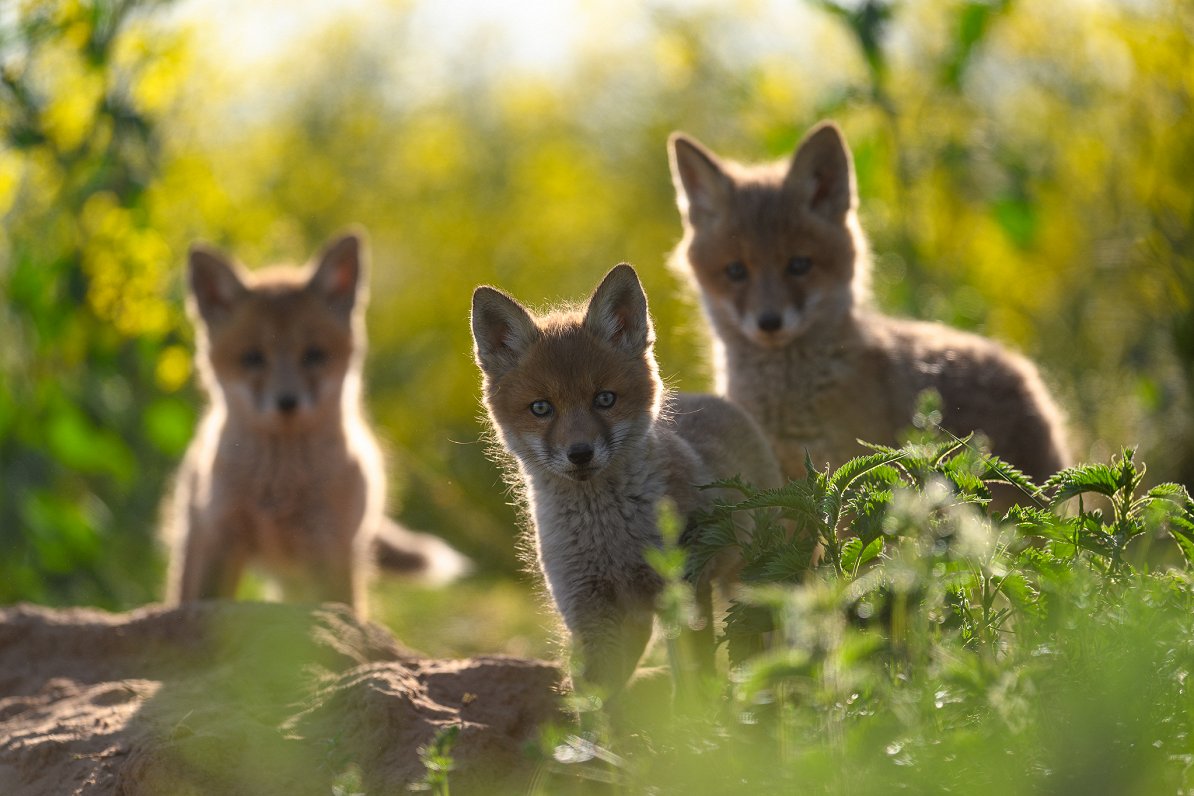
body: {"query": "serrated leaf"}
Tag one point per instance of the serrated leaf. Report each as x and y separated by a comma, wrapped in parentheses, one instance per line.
(734, 483)
(859, 554)
(861, 465)
(997, 470)
(1031, 521)
(850, 551)
(789, 565)
(1185, 541)
(1127, 476)
(1174, 493)
(745, 625)
(869, 509)
(1085, 479)
(814, 479)
(946, 449)
(1101, 543)
(706, 540)
(877, 447)
(796, 496)
(1020, 592)
(967, 484)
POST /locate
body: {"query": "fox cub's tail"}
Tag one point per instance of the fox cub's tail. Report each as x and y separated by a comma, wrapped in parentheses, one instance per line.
(420, 556)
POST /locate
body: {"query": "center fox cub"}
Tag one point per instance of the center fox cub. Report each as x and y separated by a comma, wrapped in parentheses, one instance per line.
(781, 266)
(283, 471)
(575, 396)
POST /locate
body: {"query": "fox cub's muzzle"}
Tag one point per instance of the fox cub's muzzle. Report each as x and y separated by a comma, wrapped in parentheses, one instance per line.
(580, 453)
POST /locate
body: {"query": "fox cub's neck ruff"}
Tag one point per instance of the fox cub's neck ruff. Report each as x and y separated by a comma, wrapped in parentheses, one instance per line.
(280, 350)
(776, 251)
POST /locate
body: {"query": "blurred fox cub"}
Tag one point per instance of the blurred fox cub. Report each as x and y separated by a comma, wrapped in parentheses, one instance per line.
(782, 268)
(576, 397)
(283, 471)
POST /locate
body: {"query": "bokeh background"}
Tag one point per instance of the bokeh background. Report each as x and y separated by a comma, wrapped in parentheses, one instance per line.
(1026, 171)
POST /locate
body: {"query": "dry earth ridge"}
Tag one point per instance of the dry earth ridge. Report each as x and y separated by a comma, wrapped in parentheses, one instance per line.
(249, 698)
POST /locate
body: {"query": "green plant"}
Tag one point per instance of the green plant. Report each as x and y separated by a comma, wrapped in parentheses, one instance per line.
(437, 759)
(939, 645)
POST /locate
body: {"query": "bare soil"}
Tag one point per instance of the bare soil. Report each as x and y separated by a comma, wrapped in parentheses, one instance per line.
(251, 698)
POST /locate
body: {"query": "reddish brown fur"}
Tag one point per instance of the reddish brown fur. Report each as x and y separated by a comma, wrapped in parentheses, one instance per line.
(279, 317)
(567, 366)
(834, 370)
(283, 471)
(576, 398)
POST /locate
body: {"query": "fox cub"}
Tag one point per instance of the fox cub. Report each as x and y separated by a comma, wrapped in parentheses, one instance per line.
(283, 471)
(576, 397)
(781, 266)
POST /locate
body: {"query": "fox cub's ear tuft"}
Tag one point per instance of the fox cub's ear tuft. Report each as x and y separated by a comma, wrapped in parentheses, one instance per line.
(215, 283)
(617, 312)
(502, 331)
(702, 186)
(821, 177)
(337, 276)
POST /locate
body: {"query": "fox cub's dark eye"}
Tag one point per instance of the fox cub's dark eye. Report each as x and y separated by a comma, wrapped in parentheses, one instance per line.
(604, 399)
(314, 356)
(253, 358)
(541, 408)
(736, 272)
(799, 266)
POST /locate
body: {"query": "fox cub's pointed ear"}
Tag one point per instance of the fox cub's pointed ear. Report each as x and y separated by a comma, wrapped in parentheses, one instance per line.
(214, 282)
(502, 331)
(618, 311)
(702, 186)
(821, 177)
(337, 276)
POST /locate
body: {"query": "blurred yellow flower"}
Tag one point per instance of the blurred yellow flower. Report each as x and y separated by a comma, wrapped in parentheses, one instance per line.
(173, 368)
(10, 179)
(77, 90)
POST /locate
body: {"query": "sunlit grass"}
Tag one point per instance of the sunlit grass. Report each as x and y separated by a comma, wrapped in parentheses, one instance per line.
(471, 617)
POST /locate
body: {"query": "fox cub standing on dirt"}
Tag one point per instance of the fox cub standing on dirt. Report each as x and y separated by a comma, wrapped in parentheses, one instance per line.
(781, 266)
(283, 471)
(575, 396)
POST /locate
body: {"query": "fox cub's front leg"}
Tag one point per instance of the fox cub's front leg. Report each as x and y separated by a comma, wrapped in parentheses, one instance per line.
(332, 575)
(608, 642)
(206, 564)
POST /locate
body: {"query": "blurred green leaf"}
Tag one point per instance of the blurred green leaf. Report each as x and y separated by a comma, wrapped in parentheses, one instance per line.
(79, 444)
(169, 423)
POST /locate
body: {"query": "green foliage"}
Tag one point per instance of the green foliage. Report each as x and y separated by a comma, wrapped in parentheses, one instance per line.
(960, 648)
(88, 425)
(1165, 506)
(437, 759)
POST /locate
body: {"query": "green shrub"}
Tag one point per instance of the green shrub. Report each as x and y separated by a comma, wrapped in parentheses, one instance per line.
(939, 646)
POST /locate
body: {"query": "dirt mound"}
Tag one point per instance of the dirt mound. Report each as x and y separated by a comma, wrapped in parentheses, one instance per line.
(247, 698)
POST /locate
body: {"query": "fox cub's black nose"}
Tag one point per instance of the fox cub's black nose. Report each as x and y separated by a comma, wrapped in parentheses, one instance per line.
(580, 453)
(287, 404)
(770, 322)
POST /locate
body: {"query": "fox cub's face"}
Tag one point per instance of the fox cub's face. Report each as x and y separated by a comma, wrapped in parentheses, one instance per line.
(772, 249)
(279, 345)
(570, 392)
